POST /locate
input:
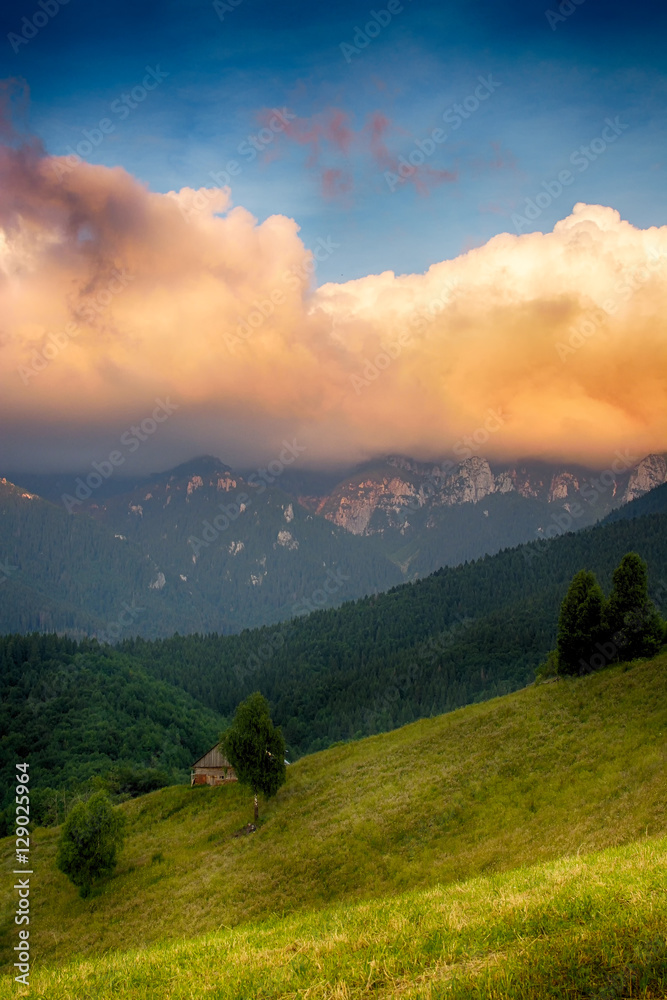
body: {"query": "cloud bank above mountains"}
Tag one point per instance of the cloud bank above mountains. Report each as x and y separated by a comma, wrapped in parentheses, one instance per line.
(112, 296)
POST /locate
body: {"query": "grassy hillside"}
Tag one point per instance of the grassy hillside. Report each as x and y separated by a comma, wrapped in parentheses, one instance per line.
(581, 927)
(571, 766)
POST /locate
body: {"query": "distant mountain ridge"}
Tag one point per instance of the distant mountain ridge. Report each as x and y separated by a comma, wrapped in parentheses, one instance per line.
(197, 548)
(427, 514)
(399, 482)
(202, 548)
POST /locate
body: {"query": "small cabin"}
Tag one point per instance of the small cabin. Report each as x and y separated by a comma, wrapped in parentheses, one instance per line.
(212, 769)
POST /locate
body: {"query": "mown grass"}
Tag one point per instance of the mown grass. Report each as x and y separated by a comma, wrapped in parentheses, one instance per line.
(577, 765)
(580, 927)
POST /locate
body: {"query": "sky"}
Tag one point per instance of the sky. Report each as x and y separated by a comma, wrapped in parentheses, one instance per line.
(368, 229)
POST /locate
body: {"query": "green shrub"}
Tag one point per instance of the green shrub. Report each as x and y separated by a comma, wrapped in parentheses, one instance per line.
(91, 836)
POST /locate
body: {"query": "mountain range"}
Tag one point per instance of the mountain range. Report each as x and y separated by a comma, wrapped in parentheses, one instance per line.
(204, 548)
(430, 515)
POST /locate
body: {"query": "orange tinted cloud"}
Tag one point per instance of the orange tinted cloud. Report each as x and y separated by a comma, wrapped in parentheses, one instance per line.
(111, 295)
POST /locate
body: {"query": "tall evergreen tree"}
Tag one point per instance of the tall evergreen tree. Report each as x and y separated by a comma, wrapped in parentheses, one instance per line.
(631, 620)
(580, 624)
(255, 748)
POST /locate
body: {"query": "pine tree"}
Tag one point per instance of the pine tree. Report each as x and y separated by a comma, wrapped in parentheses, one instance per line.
(631, 620)
(580, 624)
(255, 748)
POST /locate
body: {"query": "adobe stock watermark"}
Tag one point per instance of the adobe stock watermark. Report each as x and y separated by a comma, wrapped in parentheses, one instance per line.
(292, 279)
(470, 444)
(222, 7)
(6, 571)
(580, 158)
(591, 492)
(230, 512)
(92, 309)
(427, 653)
(613, 648)
(333, 582)
(659, 595)
(362, 38)
(126, 619)
(454, 116)
(466, 447)
(373, 367)
(31, 26)
(249, 149)
(565, 9)
(122, 107)
(594, 319)
(131, 440)
(263, 653)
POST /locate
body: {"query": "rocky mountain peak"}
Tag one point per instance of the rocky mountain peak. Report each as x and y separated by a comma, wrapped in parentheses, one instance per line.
(203, 466)
(651, 472)
(387, 493)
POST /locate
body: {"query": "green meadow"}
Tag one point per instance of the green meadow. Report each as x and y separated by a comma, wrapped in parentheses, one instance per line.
(589, 926)
(514, 848)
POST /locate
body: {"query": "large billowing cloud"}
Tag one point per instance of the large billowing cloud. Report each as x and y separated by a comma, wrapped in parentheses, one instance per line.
(112, 296)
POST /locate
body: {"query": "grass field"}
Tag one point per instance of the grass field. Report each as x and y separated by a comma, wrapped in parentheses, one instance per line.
(579, 927)
(566, 767)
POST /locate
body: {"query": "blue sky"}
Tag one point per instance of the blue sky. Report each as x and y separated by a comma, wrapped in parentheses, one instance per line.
(556, 86)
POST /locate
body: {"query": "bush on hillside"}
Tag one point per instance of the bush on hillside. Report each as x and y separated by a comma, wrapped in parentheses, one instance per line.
(91, 836)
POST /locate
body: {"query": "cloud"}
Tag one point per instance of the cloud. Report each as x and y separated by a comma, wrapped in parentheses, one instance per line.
(328, 138)
(338, 154)
(424, 177)
(112, 295)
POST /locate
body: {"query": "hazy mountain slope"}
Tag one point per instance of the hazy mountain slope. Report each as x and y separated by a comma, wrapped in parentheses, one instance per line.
(67, 573)
(200, 548)
(246, 552)
(654, 502)
(151, 562)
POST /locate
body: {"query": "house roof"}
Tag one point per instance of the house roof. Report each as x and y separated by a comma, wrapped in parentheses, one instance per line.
(212, 758)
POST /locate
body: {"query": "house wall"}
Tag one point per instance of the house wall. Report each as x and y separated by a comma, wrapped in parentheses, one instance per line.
(212, 776)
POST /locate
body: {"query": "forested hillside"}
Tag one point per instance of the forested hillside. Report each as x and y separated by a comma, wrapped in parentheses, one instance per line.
(553, 770)
(74, 710)
(462, 635)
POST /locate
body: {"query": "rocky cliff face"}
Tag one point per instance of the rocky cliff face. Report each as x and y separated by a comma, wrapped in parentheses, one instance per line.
(356, 501)
(383, 496)
(651, 472)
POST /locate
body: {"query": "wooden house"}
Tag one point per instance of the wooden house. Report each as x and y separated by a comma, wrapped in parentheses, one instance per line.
(212, 769)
